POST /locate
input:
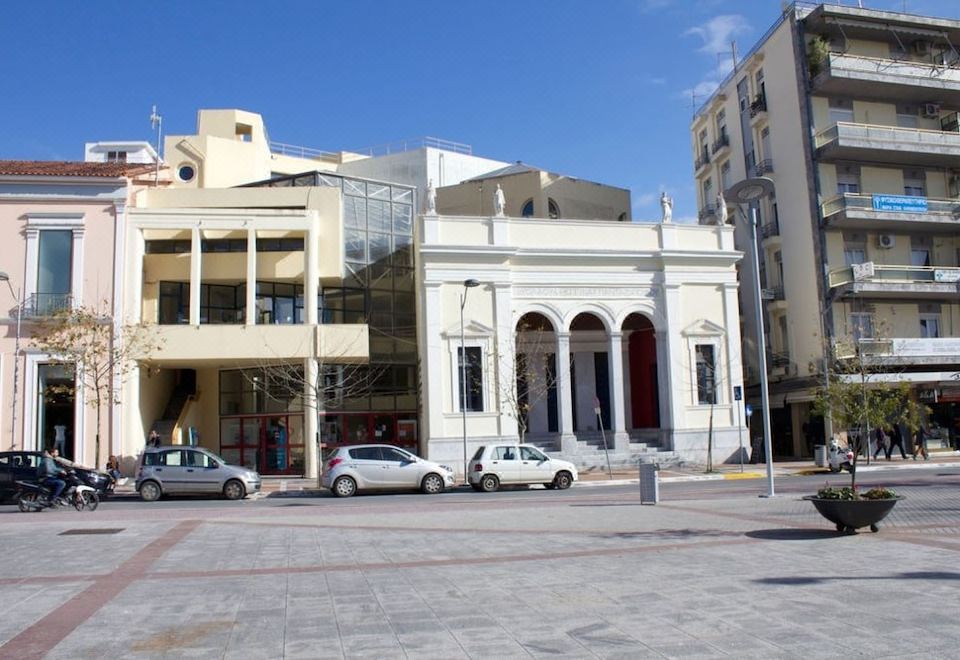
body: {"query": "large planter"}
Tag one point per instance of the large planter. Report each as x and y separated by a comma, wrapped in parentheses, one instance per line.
(851, 515)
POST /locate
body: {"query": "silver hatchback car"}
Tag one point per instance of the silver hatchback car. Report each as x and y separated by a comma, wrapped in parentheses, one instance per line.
(176, 470)
(382, 467)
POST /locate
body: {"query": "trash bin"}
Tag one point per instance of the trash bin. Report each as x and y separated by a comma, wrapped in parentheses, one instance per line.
(649, 483)
(820, 455)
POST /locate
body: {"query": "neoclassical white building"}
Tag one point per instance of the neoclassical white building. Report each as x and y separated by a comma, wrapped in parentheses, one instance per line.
(647, 314)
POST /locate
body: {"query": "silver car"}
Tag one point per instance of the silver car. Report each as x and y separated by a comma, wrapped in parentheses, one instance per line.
(382, 467)
(176, 469)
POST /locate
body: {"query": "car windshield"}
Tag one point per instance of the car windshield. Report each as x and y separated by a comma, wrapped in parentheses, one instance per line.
(212, 455)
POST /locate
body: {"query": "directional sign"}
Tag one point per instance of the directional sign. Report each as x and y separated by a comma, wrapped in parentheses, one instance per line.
(737, 393)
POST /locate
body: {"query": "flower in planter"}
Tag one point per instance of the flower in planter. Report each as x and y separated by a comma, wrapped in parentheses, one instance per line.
(879, 493)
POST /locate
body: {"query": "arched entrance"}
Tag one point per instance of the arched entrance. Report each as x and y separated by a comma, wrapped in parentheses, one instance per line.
(534, 401)
(589, 373)
(642, 385)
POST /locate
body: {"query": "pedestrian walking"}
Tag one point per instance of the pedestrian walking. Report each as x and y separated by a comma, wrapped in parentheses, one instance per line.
(153, 440)
(883, 443)
(896, 440)
(921, 445)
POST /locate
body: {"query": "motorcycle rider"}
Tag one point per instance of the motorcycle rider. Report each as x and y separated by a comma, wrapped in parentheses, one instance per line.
(49, 474)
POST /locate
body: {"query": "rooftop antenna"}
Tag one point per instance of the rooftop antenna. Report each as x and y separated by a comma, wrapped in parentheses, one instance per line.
(693, 102)
(156, 121)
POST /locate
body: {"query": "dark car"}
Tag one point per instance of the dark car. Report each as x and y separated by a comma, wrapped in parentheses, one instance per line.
(22, 466)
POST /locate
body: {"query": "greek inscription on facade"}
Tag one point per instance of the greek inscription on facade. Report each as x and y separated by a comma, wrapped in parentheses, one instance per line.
(582, 292)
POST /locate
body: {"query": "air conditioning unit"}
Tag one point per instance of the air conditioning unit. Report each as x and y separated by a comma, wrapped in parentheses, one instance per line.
(886, 241)
(931, 110)
(921, 47)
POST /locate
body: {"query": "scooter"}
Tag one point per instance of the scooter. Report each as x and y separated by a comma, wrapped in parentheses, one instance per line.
(37, 497)
(839, 459)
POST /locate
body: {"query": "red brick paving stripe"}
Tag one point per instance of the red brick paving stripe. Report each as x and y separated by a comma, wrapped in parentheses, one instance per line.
(433, 563)
(40, 638)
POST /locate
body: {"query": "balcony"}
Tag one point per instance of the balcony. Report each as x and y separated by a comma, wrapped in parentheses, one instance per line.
(257, 344)
(770, 230)
(877, 212)
(887, 144)
(39, 305)
(702, 161)
(708, 215)
(857, 76)
(910, 351)
(873, 281)
(721, 143)
(779, 365)
(763, 167)
(758, 106)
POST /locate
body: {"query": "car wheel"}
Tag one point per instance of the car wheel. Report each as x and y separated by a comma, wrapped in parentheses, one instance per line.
(489, 483)
(432, 484)
(344, 487)
(27, 502)
(562, 481)
(86, 500)
(150, 491)
(234, 490)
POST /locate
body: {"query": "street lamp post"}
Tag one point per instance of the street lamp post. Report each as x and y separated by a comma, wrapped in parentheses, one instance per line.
(467, 284)
(750, 191)
(16, 358)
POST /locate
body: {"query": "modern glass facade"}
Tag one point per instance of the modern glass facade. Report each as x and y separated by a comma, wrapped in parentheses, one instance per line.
(377, 289)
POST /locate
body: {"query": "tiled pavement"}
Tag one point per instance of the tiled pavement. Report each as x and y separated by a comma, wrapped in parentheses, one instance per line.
(523, 576)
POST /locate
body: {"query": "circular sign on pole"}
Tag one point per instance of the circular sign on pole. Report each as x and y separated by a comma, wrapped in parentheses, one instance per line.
(748, 409)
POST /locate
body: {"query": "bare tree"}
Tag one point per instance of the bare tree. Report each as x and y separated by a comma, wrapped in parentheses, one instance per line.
(84, 337)
(525, 373)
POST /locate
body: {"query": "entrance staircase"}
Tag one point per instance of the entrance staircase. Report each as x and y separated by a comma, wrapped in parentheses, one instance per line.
(184, 391)
(589, 454)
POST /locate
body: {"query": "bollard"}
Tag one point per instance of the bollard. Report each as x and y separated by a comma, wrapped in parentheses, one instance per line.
(649, 483)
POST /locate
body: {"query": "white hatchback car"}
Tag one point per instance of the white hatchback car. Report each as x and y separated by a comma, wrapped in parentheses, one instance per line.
(382, 467)
(494, 465)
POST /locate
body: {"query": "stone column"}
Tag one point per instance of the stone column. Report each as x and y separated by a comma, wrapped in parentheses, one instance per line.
(312, 454)
(76, 277)
(195, 260)
(621, 440)
(504, 323)
(671, 359)
(568, 441)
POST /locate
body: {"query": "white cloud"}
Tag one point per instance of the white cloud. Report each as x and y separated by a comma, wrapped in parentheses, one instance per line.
(718, 32)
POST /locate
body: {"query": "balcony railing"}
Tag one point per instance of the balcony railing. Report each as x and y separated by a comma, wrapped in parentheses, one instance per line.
(772, 293)
(845, 67)
(895, 274)
(39, 305)
(849, 201)
(707, 212)
(872, 136)
(778, 360)
(758, 105)
(703, 160)
(763, 167)
(770, 229)
(721, 142)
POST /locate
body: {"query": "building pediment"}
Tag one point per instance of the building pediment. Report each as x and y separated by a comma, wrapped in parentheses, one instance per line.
(703, 328)
(470, 329)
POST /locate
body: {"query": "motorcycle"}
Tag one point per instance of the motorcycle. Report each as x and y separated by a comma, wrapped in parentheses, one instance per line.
(37, 497)
(838, 458)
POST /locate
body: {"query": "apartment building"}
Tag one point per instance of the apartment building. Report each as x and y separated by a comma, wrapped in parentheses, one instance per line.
(853, 114)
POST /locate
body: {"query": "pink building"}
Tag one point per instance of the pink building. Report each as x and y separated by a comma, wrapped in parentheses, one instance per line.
(61, 245)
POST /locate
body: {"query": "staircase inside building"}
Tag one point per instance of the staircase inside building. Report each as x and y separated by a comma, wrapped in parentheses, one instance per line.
(184, 391)
(589, 454)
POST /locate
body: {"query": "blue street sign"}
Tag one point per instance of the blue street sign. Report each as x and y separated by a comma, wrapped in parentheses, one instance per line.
(906, 203)
(737, 392)
(748, 409)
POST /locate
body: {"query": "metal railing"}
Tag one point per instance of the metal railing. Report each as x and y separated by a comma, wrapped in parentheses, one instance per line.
(758, 105)
(770, 229)
(840, 203)
(763, 167)
(707, 211)
(898, 275)
(720, 143)
(778, 360)
(703, 160)
(896, 136)
(39, 305)
(399, 146)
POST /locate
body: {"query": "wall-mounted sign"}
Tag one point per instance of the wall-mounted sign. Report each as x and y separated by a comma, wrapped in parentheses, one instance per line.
(906, 203)
(952, 275)
(863, 271)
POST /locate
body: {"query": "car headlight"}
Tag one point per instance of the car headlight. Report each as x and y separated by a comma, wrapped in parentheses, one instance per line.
(447, 468)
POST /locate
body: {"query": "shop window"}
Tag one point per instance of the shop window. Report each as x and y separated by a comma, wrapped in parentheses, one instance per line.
(470, 381)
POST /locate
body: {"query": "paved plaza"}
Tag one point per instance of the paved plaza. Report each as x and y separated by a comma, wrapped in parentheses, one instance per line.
(594, 574)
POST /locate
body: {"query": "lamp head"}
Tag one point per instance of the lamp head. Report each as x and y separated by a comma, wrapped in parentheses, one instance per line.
(469, 284)
(4, 277)
(748, 190)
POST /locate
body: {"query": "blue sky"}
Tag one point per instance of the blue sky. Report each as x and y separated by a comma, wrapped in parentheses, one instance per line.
(599, 90)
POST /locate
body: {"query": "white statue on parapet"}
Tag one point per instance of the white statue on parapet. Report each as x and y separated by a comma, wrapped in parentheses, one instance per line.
(431, 199)
(666, 205)
(721, 209)
(499, 202)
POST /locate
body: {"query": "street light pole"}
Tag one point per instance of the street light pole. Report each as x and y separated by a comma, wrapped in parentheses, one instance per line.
(749, 191)
(467, 284)
(16, 359)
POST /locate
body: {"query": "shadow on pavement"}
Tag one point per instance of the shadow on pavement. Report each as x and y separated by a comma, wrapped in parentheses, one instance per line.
(918, 575)
(793, 534)
(671, 534)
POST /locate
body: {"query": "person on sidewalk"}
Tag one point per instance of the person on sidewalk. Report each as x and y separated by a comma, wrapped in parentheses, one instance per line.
(153, 440)
(883, 443)
(921, 445)
(896, 440)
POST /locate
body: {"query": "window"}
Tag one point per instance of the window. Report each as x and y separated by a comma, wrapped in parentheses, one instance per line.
(914, 183)
(725, 176)
(505, 454)
(760, 86)
(553, 209)
(531, 454)
(186, 173)
(708, 193)
(472, 370)
(704, 147)
(920, 251)
(365, 454)
(765, 149)
(848, 179)
(392, 454)
(721, 125)
(706, 374)
(907, 116)
(527, 210)
(841, 110)
(930, 326)
(116, 156)
(861, 325)
(54, 266)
